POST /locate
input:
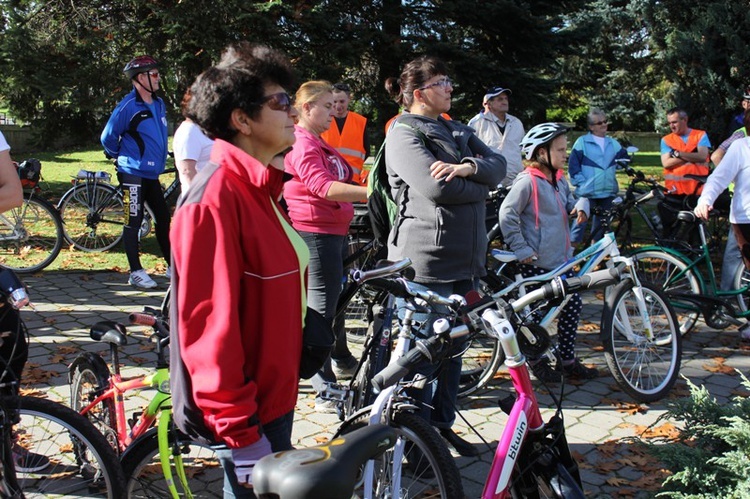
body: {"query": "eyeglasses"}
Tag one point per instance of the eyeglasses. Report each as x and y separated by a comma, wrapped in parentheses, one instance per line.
(278, 102)
(445, 83)
(605, 122)
(153, 74)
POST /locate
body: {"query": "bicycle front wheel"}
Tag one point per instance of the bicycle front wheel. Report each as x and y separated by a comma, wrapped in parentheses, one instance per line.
(88, 378)
(671, 275)
(479, 363)
(31, 235)
(742, 280)
(645, 368)
(81, 462)
(427, 467)
(93, 216)
(205, 476)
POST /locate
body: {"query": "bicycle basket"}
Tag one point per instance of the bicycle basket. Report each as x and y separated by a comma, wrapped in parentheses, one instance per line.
(30, 171)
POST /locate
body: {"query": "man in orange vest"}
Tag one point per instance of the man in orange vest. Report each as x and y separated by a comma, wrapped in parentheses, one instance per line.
(348, 133)
(684, 151)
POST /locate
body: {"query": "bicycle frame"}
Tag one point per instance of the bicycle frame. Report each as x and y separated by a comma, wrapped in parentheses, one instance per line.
(588, 259)
(708, 288)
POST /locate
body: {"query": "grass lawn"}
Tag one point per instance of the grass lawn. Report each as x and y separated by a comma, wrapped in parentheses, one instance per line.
(58, 170)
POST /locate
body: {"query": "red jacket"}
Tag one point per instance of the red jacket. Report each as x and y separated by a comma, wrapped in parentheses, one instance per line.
(239, 294)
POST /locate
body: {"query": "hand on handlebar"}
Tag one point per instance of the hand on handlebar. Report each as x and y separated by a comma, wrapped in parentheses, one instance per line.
(703, 210)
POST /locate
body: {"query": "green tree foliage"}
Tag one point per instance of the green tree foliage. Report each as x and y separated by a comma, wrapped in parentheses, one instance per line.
(703, 59)
(711, 456)
(612, 66)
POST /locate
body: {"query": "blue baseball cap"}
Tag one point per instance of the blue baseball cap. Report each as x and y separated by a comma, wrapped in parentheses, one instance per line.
(494, 92)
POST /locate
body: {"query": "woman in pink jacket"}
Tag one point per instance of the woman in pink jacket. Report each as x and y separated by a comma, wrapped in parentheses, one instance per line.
(319, 197)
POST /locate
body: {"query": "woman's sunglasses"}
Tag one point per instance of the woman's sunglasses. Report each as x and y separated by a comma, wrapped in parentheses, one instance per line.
(278, 102)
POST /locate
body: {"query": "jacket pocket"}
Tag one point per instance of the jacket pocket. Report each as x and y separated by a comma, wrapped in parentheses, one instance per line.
(439, 225)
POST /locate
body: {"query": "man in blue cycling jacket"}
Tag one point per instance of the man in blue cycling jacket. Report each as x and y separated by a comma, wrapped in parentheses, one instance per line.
(136, 134)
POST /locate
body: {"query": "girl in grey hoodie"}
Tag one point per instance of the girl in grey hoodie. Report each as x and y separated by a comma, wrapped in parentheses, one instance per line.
(535, 225)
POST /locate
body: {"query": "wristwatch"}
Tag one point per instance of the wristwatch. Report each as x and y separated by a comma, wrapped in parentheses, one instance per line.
(675, 154)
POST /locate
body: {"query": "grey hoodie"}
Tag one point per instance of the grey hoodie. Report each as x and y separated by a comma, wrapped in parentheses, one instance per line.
(534, 218)
(440, 225)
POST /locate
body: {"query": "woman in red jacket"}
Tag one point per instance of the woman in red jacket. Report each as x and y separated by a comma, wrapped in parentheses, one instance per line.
(238, 282)
(320, 196)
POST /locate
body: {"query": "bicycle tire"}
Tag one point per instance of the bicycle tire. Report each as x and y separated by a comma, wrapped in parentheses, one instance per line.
(428, 468)
(657, 267)
(741, 280)
(31, 235)
(89, 376)
(479, 363)
(82, 463)
(644, 369)
(145, 478)
(548, 481)
(93, 216)
(358, 313)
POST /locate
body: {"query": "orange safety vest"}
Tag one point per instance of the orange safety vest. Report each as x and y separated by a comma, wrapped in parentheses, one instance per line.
(350, 143)
(674, 180)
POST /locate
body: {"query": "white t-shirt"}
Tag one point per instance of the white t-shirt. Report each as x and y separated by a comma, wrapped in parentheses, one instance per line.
(191, 143)
(3, 143)
(602, 141)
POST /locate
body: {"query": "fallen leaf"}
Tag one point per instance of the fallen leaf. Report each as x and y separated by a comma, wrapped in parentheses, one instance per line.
(616, 481)
(66, 350)
(718, 366)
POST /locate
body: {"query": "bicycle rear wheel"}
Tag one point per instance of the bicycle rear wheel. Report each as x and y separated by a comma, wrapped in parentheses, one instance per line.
(660, 269)
(742, 280)
(143, 470)
(89, 376)
(81, 462)
(646, 369)
(93, 216)
(31, 235)
(427, 467)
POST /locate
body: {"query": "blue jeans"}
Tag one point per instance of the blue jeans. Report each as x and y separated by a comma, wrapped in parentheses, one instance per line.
(278, 432)
(325, 276)
(577, 230)
(442, 392)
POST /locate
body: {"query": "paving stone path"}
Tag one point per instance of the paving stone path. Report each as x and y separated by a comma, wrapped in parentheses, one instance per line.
(597, 415)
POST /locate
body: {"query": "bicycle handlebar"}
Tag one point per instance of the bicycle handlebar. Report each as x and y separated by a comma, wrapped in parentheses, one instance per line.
(142, 319)
(362, 276)
(402, 288)
(427, 350)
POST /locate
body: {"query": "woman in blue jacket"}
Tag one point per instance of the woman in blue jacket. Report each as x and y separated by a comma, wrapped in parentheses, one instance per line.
(592, 170)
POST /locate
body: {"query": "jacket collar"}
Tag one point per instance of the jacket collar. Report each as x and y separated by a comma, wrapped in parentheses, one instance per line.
(536, 172)
(247, 168)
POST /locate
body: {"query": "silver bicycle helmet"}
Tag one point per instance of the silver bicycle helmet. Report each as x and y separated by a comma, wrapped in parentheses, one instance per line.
(540, 135)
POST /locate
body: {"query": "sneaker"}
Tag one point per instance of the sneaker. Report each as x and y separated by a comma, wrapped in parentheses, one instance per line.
(545, 373)
(168, 273)
(745, 331)
(576, 370)
(28, 462)
(326, 406)
(344, 369)
(140, 279)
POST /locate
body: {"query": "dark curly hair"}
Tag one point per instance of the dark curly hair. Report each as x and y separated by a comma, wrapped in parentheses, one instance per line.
(236, 82)
(414, 76)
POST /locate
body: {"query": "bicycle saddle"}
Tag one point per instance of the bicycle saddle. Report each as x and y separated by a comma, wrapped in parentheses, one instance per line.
(109, 332)
(328, 471)
(686, 216)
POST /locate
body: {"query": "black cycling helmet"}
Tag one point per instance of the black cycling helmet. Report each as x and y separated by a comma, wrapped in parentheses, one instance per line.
(541, 135)
(140, 64)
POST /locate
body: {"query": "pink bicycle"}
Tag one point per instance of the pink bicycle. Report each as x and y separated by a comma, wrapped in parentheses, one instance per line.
(532, 458)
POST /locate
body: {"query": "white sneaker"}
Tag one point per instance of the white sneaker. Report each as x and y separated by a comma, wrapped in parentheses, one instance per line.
(168, 273)
(140, 279)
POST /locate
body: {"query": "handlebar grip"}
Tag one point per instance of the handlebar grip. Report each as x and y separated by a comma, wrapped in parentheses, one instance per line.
(142, 319)
(149, 320)
(423, 350)
(594, 280)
